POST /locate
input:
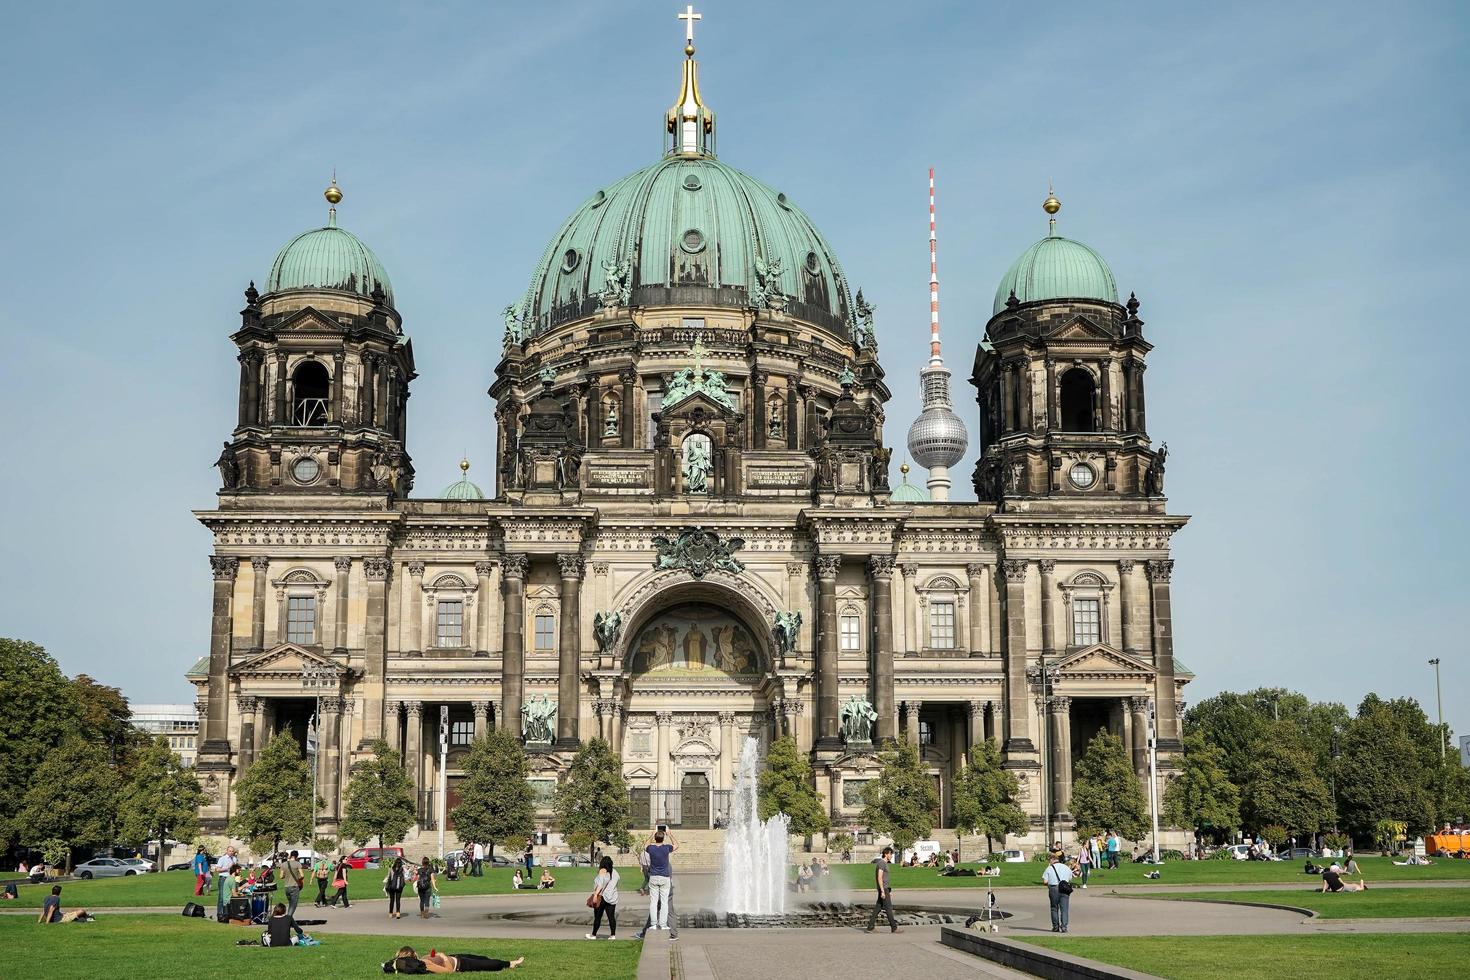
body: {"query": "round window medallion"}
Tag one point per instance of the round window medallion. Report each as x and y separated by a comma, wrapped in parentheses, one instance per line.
(691, 182)
(1082, 476)
(693, 241)
(305, 470)
(598, 198)
(569, 260)
(781, 200)
(812, 265)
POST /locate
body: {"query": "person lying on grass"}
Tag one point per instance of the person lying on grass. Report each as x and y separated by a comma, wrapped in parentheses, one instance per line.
(1332, 882)
(408, 962)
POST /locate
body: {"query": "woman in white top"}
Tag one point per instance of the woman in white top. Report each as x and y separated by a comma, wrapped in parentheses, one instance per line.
(605, 899)
(1058, 879)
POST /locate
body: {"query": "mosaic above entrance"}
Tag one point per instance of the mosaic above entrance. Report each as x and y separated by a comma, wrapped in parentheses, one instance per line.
(696, 640)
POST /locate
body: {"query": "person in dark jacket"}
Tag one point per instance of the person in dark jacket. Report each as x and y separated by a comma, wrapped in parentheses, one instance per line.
(279, 926)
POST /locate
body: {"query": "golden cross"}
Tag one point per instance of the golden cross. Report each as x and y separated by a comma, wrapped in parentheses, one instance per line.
(689, 17)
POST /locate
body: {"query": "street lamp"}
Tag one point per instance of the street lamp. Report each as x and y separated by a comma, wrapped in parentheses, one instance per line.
(1153, 783)
(1439, 701)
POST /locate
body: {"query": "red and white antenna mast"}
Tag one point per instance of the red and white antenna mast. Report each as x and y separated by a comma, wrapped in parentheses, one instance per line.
(934, 358)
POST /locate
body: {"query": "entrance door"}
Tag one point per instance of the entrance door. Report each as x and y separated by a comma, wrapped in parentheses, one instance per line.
(694, 801)
(638, 808)
(451, 801)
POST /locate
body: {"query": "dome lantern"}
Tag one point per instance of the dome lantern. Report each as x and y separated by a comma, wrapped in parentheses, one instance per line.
(329, 258)
(689, 124)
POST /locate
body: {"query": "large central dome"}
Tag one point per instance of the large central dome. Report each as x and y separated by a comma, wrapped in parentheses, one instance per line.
(696, 232)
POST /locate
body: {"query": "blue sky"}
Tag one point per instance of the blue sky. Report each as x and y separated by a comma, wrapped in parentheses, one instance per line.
(1281, 183)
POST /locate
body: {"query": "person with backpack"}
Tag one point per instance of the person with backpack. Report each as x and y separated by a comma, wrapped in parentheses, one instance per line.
(1058, 880)
(292, 878)
(322, 871)
(424, 885)
(393, 884)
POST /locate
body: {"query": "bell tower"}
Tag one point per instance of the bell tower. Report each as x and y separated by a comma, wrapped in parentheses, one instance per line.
(1059, 380)
(324, 374)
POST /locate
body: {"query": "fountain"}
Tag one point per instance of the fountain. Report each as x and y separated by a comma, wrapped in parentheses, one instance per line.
(754, 874)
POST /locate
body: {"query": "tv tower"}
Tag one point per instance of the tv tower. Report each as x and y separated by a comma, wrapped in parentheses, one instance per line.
(937, 439)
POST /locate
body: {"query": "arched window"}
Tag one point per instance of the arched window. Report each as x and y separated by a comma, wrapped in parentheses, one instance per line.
(1077, 391)
(311, 387)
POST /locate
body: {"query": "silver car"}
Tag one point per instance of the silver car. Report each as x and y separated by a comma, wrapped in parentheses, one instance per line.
(104, 868)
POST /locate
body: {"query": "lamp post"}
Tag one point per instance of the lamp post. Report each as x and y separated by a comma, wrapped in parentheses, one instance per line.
(1439, 702)
(443, 770)
(1153, 782)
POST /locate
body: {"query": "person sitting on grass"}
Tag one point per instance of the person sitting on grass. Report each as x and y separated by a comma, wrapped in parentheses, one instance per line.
(547, 881)
(990, 872)
(1351, 867)
(279, 926)
(1332, 882)
(516, 881)
(409, 962)
(803, 878)
(51, 910)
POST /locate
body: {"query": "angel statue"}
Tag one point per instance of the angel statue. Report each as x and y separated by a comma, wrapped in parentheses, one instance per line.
(605, 629)
(857, 717)
(786, 630)
(867, 337)
(768, 293)
(536, 716)
(697, 464)
(512, 315)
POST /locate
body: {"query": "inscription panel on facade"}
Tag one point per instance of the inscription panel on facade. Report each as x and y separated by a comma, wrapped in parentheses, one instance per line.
(778, 477)
(631, 477)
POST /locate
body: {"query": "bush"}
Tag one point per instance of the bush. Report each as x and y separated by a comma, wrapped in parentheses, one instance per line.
(1223, 854)
(1040, 857)
(1274, 834)
(1337, 841)
(1170, 854)
(840, 842)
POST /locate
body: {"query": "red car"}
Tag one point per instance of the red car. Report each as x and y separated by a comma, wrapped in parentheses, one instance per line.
(376, 856)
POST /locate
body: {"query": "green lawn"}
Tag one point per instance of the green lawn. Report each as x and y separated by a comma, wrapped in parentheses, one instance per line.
(1315, 957)
(1373, 903)
(161, 948)
(177, 887)
(1375, 869)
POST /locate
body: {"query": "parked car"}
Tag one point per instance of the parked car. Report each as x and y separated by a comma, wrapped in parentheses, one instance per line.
(104, 868)
(1297, 853)
(142, 865)
(1013, 855)
(375, 856)
(573, 861)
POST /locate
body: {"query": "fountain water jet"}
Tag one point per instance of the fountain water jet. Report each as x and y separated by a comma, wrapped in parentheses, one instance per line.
(753, 876)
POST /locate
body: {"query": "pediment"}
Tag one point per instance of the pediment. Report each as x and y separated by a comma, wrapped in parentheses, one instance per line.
(310, 320)
(1080, 328)
(697, 405)
(696, 746)
(287, 659)
(1103, 659)
(639, 772)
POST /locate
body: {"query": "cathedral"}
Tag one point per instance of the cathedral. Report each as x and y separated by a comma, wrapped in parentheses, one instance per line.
(691, 538)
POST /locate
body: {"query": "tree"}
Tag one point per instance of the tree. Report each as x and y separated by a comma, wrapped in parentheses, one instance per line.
(380, 798)
(273, 799)
(496, 803)
(785, 786)
(1283, 786)
(39, 709)
(902, 800)
(72, 798)
(1106, 793)
(1239, 724)
(1202, 795)
(160, 800)
(591, 804)
(984, 798)
(1389, 768)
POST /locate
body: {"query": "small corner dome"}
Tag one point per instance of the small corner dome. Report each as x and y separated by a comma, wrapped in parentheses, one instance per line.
(328, 258)
(462, 489)
(907, 493)
(1057, 268)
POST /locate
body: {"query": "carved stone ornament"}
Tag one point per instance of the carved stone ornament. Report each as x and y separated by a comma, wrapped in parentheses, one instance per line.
(880, 566)
(1160, 570)
(342, 563)
(827, 565)
(571, 566)
(259, 564)
(376, 569)
(698, 551)
(975, 569)
(416, 568)
(223, 568)
(485, 567)
(515, 566)
(605, 629)
(1015, 570)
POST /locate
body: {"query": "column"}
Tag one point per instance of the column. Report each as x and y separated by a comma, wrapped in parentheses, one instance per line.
(1133, 605)
(221, 628)
(394, 734)
(918, 637)
(626, 423)
(344, 568)
(329, 765)
(979, 609)
(834, 810)
(246, 707)
(1139, 409)
(280, 416)
(729, 751)
(415, 609)
(245, 368)
(381, 408)
(512, 643)
(367, 391)
(880, 570)
(1017, 724)
(1139, 710)
(487, 606)
(1054, 419)
(992, 601)
(1060, 745)
(482, 718)
(334, 414)
(1025, 382)
(665, 720)
(1108, 423)
(1048, 608)
(911, 721)
(791, 708)
(977, 721)
(413, 756)
(375, 649)
(1159, 574)
(1007, 398)
(827, 566)
(569, 651)
(901, 644)
(258, 566)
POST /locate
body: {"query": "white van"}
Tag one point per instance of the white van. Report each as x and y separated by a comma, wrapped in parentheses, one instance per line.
(925, 849)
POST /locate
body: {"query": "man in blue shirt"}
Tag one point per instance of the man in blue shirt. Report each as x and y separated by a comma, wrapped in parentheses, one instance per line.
(1113, 845)
(200, 867)
(660, 875)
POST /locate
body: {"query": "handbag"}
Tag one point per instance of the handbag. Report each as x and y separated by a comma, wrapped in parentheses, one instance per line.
(594, 900)
(339, 883)
(1065, 886)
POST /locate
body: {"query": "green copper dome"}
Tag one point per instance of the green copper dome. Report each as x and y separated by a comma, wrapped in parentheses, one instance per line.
(907, 493)
(462, 489)
(688, 230)
(1057, 268)
(328, 258)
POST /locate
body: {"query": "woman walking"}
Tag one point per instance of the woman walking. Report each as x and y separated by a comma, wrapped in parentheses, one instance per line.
(321, 872)
(424, 885)
(605, 899)
(339, 882)
(1084, 861)
(394, 884)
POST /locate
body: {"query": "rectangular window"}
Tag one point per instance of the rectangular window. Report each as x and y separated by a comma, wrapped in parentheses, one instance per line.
(461, 732)
(852, 633)
(926, 732)
(1086, 622)
(693, 323)
(545, 631)
(451, 622)
(941, 625)
(301, 619)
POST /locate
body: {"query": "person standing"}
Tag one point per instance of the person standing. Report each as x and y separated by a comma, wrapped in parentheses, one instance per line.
(200, 867)
(292, 879)
(423, 883)
(478, 869)
(530, 857)
(605, 899)
(321, 870)
(393, 884)
(1058, 880)
(660, 875)
(1114, 844)
(339, 882)
(225, 865)
(885, 892)
(1084, 861)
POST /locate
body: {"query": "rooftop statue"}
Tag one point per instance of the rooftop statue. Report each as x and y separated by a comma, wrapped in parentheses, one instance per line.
(514, 331)
(867, 337)
(786, 631)
(857, 717)
(617, 283)
(768, 293)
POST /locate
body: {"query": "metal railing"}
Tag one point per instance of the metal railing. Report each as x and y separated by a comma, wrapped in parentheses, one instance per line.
(678, 809)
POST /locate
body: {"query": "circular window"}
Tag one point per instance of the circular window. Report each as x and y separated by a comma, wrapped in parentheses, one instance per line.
(598, 198)
(693, 241)
(691, 182)
(1082, 476)
(306, 470)
(781, 200)
(569, 260)
(812, 265)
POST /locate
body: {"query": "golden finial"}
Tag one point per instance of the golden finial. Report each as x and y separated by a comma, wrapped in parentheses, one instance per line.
(464, 465)
(333, 194)
(1051, 206)
(904, 469)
